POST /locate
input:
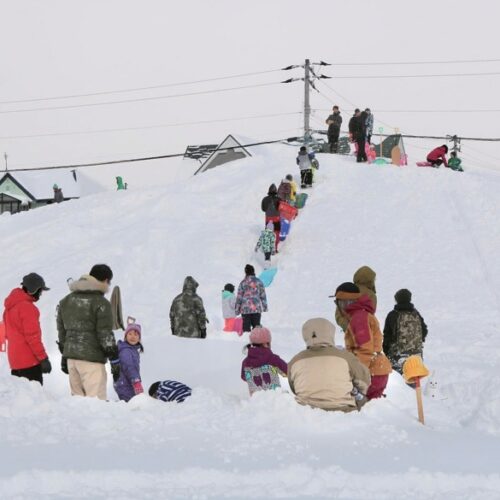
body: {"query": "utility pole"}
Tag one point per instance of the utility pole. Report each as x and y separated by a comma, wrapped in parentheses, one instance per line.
(307, 105)
(310, 76)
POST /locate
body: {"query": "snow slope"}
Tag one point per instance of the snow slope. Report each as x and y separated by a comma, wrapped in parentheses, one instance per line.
(432, 231)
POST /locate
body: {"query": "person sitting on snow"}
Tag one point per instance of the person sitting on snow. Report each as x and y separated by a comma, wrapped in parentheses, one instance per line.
(325, 377)
(261, 367)
(437, 156)
(455, 163)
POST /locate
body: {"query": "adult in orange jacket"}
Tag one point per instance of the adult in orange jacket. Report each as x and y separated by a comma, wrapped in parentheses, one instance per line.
(363, 336)
(25, 350)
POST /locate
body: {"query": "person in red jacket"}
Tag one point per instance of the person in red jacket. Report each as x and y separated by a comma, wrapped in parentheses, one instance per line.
(25, 350)
(438, 156)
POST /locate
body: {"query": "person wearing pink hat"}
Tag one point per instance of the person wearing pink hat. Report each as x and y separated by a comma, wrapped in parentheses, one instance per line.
(261, 368)
(129, 382)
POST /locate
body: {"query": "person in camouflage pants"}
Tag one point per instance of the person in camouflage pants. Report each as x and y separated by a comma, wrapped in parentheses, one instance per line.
(187, 314)
(404, 331)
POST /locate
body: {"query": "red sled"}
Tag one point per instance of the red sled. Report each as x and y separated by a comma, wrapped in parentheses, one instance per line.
(424, 164)
(287, 211)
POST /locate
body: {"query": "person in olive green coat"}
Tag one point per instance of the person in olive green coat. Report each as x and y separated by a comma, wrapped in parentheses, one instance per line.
(85, 330)
(187, 314)
(364, 279)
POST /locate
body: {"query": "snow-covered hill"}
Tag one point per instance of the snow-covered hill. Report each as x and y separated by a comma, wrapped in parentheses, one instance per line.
(435, 232)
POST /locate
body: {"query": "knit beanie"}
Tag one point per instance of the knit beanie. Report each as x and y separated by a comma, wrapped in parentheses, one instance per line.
(318, 331)
(132, 327)
(403, 296)
(249, 270)
(260, 335)
(270, 225)
(289, 177)
(229, 287)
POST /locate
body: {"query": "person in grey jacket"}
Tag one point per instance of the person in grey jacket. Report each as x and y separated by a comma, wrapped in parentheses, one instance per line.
(369, 125)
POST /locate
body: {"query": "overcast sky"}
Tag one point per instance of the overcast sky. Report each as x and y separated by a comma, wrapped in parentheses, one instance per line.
(60, 48)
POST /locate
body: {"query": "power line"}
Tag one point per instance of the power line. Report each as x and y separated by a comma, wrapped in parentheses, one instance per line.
(133, 160)
(492, 73)
(138, 99)
(146, 127)
(137, 89)
(463, 61)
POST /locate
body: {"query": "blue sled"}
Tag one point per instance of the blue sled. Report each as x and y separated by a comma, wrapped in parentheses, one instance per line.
(268, 275)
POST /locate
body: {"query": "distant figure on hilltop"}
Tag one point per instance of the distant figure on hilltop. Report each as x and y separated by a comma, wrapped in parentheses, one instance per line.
(369, 125)
(357, 131)
(437, 156)
(187, 314)
(334, 122)
(58, 194)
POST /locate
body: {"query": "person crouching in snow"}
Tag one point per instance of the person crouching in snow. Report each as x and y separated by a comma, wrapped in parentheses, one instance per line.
(437, 156)
(363, 336)
(170, 390)
(129, 383)
(261, 368)
(267, 243)
(455, 163)
(231, 322)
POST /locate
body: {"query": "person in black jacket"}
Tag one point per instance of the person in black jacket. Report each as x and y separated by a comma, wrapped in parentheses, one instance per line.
(270, 206)
(357, 130)
(404, 331)
(334, 121)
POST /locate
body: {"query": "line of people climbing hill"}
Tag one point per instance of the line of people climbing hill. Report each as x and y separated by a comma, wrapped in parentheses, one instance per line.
(322, 375)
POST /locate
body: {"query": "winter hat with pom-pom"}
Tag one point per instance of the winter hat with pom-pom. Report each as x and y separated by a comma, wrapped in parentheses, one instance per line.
(260, 335)
(132, 327)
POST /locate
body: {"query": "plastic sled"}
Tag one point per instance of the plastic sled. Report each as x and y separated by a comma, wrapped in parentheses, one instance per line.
(287, 211)
(300, 200)
(285, 229)
(268, 275)
(424, 164)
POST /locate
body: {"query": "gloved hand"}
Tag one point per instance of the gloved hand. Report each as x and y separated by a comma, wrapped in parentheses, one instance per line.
(203, 333)
(172, 328)
(115, 369)
(64, 365)
(60, 345)
(137, 387)
(46, 366)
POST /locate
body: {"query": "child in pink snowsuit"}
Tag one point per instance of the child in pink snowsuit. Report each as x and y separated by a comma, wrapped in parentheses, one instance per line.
(231, 322)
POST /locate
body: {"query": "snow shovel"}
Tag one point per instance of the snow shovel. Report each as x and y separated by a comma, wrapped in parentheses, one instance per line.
(413, 370)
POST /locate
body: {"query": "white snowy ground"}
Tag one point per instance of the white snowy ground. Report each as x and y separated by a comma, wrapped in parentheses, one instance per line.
(435, 232)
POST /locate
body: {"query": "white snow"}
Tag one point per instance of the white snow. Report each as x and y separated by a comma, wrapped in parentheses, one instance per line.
(433, 231)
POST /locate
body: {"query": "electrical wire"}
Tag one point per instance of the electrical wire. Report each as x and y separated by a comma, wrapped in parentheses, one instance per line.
(147, 127)
(464, 61)
(137, 89)
(138, 99)
(430, 110)
(492, 73)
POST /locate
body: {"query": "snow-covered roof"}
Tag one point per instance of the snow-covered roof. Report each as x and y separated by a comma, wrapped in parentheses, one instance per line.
(39, 183)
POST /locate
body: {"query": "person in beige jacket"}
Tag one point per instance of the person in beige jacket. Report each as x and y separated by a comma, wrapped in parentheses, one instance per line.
(325, 377)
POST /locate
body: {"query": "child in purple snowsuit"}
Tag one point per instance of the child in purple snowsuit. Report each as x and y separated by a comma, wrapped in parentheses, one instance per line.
(129, 383)
(261, 368)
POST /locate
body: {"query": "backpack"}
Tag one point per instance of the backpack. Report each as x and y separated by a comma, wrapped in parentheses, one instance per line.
(408, 334)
